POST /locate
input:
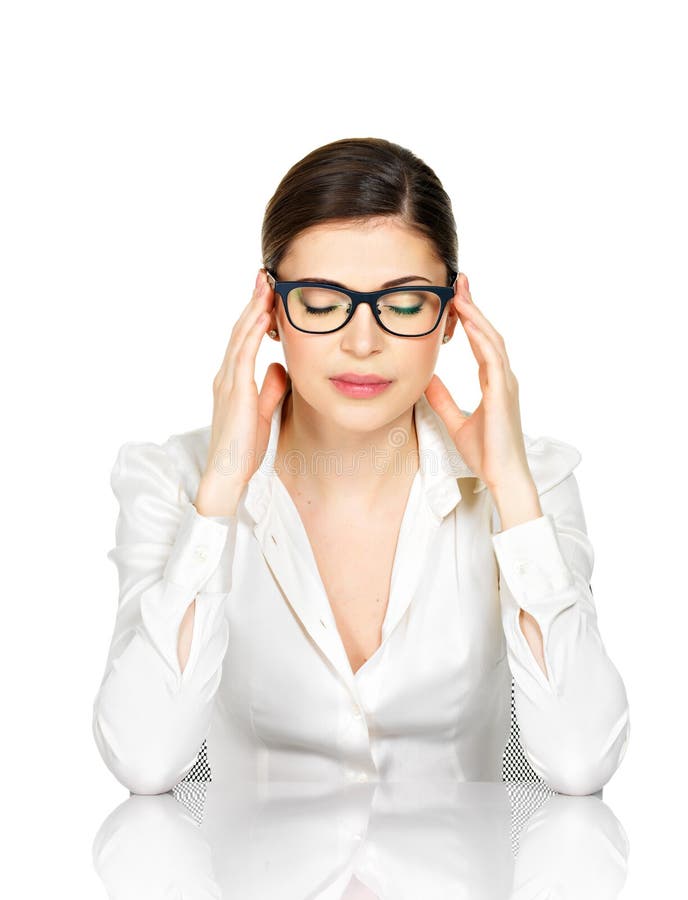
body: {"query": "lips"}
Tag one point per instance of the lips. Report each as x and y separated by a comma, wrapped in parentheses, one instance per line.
(352, 378)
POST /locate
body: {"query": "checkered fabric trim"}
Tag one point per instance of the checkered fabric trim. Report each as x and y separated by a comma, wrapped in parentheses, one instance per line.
(525, 798)
(192, 795)
(192, 788)
(201, 768)
(515, 765)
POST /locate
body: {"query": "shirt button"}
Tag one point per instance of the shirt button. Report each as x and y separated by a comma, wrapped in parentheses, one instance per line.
(356, 712)
(356, 776)
(201, 553)
(520, 566)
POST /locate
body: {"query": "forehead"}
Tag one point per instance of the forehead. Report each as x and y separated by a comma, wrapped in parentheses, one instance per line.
(383, 243)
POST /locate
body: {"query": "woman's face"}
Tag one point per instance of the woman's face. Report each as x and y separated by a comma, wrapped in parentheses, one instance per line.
(363, 258)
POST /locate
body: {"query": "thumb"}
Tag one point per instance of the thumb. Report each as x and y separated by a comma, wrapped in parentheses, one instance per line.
(271, 392)
(274, 385)
(443, 403)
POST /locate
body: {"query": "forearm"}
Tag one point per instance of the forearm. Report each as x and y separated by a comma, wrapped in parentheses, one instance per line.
(185, 635)
(151, 714)
(517, 504)
(573, 710)
(531, 632)
(209, 504)
(148, 724)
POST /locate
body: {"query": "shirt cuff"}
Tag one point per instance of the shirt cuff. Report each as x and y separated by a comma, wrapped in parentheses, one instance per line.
(201, 556)
(534, 567)
(534, 577)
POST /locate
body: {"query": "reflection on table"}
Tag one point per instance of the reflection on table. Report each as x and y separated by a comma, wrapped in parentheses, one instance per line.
(432, 839)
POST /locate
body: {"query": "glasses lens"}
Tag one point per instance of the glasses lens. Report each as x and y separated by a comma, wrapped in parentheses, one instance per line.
(317, 308)
(409, 312)
(321, 309)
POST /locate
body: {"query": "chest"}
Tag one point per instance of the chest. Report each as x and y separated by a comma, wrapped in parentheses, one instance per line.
(355, 556)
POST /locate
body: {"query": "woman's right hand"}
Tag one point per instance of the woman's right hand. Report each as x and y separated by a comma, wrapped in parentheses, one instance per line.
(241, 417)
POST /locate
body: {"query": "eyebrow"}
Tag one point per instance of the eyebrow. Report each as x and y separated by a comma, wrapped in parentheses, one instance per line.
(393, 283)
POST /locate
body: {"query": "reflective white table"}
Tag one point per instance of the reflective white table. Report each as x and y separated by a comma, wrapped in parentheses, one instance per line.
(398, 840)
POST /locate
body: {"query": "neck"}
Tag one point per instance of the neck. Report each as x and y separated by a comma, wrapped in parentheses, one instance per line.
(334, 463)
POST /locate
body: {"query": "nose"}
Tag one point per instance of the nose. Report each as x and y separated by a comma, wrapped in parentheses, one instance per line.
(362, 332)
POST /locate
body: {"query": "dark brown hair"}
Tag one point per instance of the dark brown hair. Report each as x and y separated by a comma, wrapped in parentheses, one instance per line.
(356, 179)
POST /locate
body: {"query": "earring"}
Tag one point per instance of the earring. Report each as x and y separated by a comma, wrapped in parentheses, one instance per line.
(445, 339)
(272, 332)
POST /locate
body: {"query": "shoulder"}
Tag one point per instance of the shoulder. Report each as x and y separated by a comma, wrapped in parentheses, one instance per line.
(550, 460)
(174, 464)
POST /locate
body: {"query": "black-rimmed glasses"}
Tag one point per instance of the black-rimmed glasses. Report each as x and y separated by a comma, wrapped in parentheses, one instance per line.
(316, 307)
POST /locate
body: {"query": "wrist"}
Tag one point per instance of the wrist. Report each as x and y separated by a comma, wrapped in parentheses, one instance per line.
(218, 496)
(517, 502)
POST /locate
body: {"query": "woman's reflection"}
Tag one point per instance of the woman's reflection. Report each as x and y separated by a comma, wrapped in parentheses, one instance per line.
(384, 840)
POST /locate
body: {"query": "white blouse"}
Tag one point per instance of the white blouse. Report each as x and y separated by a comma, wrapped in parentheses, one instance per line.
(268, 682)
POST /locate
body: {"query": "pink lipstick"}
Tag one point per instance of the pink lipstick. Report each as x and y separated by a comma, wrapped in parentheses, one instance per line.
(355, 385)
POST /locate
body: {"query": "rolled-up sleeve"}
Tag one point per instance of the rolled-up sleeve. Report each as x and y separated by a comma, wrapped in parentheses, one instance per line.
(149, 717)
(574, 721)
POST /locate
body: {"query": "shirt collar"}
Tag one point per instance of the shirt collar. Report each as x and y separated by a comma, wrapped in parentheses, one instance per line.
(440, 463)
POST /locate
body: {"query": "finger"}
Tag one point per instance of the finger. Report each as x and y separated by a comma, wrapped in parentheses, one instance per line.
(461, 289)
(443, 403)
(246, 311)
(241, 363)
(469, 334)
(274, 384)
(261, 293)
(271, 392)
(491, 362)
(262, 300)
(467, 309)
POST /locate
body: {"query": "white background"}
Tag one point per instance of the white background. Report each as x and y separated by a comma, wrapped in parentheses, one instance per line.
(142, 141)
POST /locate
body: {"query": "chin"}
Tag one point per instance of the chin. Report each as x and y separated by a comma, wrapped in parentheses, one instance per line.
(368, 414)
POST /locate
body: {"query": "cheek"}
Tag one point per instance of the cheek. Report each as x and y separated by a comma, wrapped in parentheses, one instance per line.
(305, 358)
(419, 363)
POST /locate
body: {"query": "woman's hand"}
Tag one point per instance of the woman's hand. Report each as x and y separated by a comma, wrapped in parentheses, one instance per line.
(490, 440)
(241, 417)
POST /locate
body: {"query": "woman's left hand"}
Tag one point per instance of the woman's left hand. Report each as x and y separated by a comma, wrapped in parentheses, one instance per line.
(490, 440)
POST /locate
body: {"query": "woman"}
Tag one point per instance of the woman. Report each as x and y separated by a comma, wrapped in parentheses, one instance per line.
(334, 581)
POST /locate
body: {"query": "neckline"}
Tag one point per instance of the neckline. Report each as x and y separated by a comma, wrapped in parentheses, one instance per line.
(391, 600)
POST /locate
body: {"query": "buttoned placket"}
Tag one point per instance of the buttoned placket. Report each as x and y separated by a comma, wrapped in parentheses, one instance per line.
(280, 532)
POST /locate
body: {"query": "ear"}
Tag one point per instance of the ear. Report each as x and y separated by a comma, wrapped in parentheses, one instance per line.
(460, 285)
(452, 317)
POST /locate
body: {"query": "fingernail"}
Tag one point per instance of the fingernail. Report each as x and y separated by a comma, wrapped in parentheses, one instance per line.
(258, 278)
